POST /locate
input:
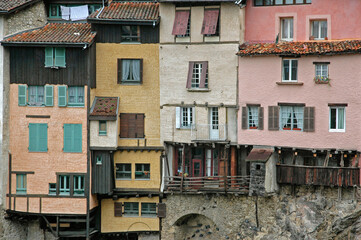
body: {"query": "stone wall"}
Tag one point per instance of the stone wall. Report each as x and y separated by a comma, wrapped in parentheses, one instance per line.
(299, 213)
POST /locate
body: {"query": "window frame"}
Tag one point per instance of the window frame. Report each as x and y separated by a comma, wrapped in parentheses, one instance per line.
(37, 139)
(255, 124)
(64, 180)
(319, 31)
(322, 65)
(294, 112)
(123, 171)
(78, 185)
(217, 31)
(133, 34)
(197, 80)
(129, 81)
(290, 29)
(139, 175)
(337, 108)
(21, 183)
(186, 117)
(36, 103)
(102, 132)
(75, 103)
(147, 209)
(52, 190)
(133, 208)
(51, 61)
(291, 60)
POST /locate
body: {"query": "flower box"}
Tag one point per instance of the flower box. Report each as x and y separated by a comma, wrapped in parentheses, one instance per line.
(286, 128)
(321, 80)
(253, 127)
(297, 129)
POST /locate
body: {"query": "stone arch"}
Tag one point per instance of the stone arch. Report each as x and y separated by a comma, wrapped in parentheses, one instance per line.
(138, 225)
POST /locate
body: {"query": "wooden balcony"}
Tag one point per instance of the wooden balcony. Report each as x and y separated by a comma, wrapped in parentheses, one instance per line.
(219, 184)
(318, 176)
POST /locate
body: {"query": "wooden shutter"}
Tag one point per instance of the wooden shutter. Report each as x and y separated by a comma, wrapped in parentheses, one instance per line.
(62, 96)
(68, 136)
(204, 74)
(273, 114)
(190, 74)
(118, 209)
(49, 57)
(59, 57)
(77, 137)
(180, 22)
(244, 118)
(49, 96)
(22, 96)
(162, 210)
(210, 21)
(260, 118)
(309, 119)
(177, 117)
(42, 137)
(123, 119)
(33, 136)
(139, 128)
(119, 64)
(141, 70)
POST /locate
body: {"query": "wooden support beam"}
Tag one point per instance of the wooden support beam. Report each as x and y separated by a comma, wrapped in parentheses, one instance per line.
(325, 164)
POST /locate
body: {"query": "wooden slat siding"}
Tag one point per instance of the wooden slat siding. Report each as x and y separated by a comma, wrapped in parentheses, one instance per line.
(119, 66)
(162, 210)
(309, 119)
(149, 34)
(273, 115)
(27, 66)
(131, 125)
(102, 175)
(244, 118)
(117, 209)
(92, 66)
(260, 118)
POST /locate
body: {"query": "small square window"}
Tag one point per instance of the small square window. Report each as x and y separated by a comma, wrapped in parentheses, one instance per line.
(289, 70)
(20, 183)
(142, 171)
(337, 119)
(102, 128)
(186, 117)
(149, 210)
(130, 33)
(287, 29)
(52, 188)
(321, 72)
(319, 29)
(99, 160)
(124, 171)
(131, 209)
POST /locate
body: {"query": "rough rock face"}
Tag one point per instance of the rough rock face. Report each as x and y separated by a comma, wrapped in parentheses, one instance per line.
(303, 213)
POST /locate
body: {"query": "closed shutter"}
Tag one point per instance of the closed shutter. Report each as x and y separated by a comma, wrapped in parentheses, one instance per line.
(260, 118)
(49, 96)
(177, 117)
(309, 119)
(273, 114)
(62, 96)
(190, 74)
(244, 118)
(132, 127)
(42, 137)
(77, 146)
(204, 74)
(119, 64)
(33, 137)
(180, 23)
(68, 136)
(123, 119)
(22, 97)
(210, 21)
(49, 57)
(162, 210)
(118, 209)
(60, 57)
(139, 126)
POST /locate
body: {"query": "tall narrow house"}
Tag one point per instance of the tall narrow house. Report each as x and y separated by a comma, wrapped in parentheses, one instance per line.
(125, 119)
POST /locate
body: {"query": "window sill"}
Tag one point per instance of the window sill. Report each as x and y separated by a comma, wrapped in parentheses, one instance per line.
(130, 42)
(142, 179)
(337, 130)
(290, 83)
(130, 83)
(123, 179)
(198, 90)
(76, 105)
(211, 38)
(55, 67)
(183, 128)
(182, 39)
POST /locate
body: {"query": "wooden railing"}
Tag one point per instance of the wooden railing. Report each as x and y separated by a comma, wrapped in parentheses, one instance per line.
(218, 184)
(317, 175)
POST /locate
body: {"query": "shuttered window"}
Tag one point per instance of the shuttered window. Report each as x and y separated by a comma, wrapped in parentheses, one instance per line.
(131, 125)
(62, 98)
(197, 75)
(210, 22)
(54, 57)
(72, 138)
(252, 117)
(181, 23)
(49, 96)
(38, 137)
(22, 95)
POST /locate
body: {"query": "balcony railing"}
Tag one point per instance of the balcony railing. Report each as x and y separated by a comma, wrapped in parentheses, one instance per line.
(317, 175)
(209, 132)
(219, 184)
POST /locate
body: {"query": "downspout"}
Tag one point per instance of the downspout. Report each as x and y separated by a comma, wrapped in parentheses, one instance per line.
(101, 10)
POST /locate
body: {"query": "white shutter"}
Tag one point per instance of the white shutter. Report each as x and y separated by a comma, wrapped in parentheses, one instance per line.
(177, 117)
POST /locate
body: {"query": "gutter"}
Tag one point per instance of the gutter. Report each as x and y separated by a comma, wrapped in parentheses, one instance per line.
(127, 21)
(44, 44)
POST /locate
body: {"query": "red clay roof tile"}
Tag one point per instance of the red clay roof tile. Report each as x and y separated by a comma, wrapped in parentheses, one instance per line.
(105, 106)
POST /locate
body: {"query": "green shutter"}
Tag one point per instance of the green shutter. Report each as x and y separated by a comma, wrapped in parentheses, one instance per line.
(22, 95)
(77, 138)
(62, 96)
(49, 57)
(68, 136)
(43, 137)
(33, 136)
(49, 96)
(59, 57)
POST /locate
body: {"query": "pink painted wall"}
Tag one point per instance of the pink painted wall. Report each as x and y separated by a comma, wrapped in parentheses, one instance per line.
(343, 18)
(257, 85)
(46, 165)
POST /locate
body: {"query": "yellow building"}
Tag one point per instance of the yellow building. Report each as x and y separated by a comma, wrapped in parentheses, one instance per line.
(126, 166)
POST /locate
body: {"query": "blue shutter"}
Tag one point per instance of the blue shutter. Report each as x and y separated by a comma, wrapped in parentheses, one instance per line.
(59, 57)
(68, 136)
(49, 57)
(33, 136)
(22, 95)
(42, 137)
(62, 96)
(49, 96)
(77, 138)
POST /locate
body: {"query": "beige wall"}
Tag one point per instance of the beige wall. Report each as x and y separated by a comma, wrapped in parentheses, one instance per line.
(109, 140)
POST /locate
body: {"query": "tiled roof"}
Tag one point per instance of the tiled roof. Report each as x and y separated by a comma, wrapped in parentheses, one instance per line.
(55, 33)
(128, 11)
(104, 107)
(300, 48)
(8, 5)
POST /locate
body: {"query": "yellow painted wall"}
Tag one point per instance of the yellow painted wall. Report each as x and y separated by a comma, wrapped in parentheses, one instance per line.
(109, 223)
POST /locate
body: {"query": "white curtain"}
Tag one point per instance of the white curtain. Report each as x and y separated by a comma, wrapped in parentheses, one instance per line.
(32, 95)
(298, 112)
(80, 95)
(341, 118)
(40, 94)
(72, 93)
(79, 12)
(136, 70)
(253, 117)
(286, 116)
(125, 70)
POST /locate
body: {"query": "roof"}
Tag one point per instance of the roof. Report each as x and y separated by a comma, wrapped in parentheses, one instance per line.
(300, 48)
(127, 11)
(259, 154)
(7, 6)
(104, 108)
(54, 34)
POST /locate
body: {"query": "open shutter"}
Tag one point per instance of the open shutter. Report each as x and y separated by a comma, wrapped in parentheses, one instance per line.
(273, 122)
(62, 96)
(193, 120)
(204, 74)
(309, 119)
(117, 209)
(42, 137)
(49, 57)
(162, 210)
(22, 97)
(210, 21)
(260, 118)
(141, 70)
(60, 57)
(180, 23)
(49, 96)
(177, 117)
(77, 133)
(119, 64)
(244, 118)
(33, 137)
(190, 74)
(139, 126)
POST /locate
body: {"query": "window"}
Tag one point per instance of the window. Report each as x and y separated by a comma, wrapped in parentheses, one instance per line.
(38, 137)
(319, 29)
(142, 171)
(123, 171)
(55, 57)
(130, 33)
(321, 72)
(52, 188)
(99, 160)
(64, 186)
(289, 69)
(102, 128)
(130, 71)
(253, 117)
(210, 26)
(197, 75)
(131, 125)
(291, 118)
(131, 209)
(337, 119)
(214, 117)
(78, 185)
(280, 2)
(149, 210)
(72, 138)
(182, 23)
(186, 117)
(76, 96)
(20, 183)
(287, 29)
(36, 95)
